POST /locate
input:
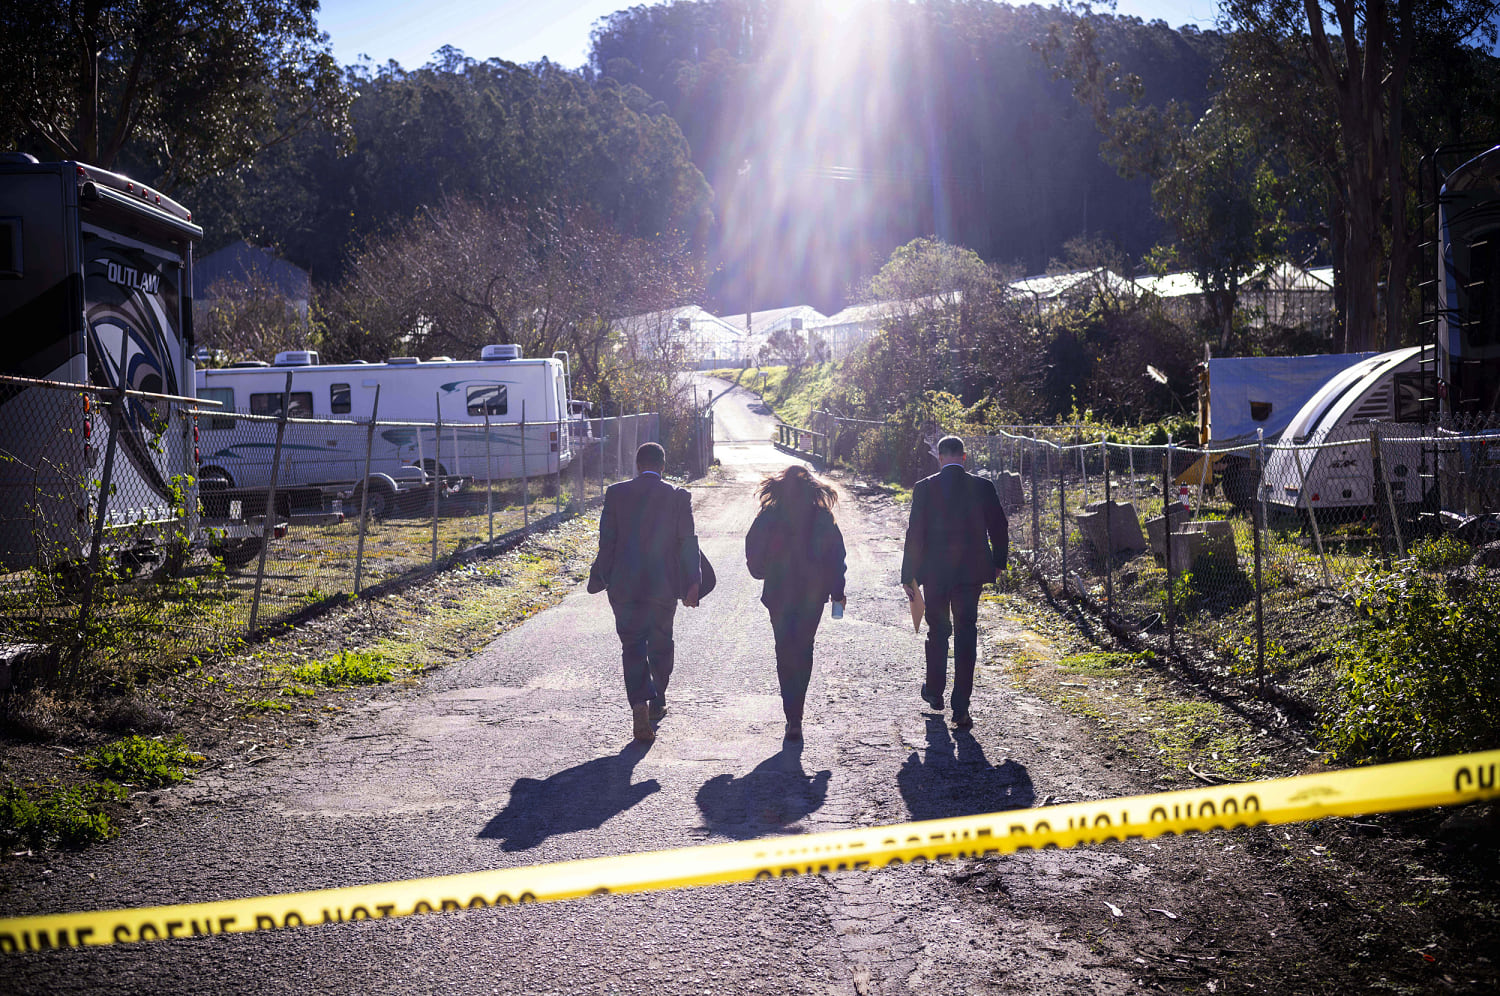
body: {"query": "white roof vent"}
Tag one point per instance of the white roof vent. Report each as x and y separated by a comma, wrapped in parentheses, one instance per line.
(509, 351)
(297, 358)
(402, 361)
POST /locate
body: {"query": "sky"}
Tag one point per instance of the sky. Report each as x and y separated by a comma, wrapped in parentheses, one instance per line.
(526, 30)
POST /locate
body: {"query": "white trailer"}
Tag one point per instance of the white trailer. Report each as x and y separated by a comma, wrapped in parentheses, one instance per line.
(456, 398)
(1391, 388)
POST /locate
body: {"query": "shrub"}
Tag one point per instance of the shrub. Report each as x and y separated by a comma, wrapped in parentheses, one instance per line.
(356, 667)
(1437, 553)
(141, 761)
(70, 816)
(1420, 675)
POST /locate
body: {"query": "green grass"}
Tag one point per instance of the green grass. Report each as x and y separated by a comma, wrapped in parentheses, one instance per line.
(71, 816)
(146, 762)
(352, 667)
(792, 395)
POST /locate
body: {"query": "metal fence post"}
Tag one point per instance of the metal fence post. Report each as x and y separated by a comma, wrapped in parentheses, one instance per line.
(525, 480)
(1166, 511)
(1312, 515)
(1062, 517)
(489, 475)
(1385, 483)
(1109, 531)
(1036, 514)
(268, 523)
(1258, 522)
(105, 483)
(557, 448)
(437, 468)
(364, 492)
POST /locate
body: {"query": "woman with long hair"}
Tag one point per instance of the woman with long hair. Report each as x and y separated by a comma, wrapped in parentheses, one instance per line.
(795, 546)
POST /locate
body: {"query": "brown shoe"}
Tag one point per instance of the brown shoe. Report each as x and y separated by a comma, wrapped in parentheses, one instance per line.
(640, 716)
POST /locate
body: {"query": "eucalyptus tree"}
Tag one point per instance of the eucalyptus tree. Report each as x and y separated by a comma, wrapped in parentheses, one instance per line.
(177, 89)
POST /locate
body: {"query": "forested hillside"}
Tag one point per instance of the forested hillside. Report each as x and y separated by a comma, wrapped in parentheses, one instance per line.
(828, 147)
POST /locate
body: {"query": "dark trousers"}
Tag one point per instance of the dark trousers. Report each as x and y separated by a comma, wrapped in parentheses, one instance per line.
(962, 602)
(795, 626)
(645, 628)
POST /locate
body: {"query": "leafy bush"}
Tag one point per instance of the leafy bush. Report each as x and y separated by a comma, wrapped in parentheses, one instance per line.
(142, 761)
(1437, 553)
(1420, 676)
(70, 816)
(357, 667)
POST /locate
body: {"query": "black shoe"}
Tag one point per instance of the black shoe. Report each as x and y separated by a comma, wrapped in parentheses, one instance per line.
(936, 701)
(658, 708)
(962, 720)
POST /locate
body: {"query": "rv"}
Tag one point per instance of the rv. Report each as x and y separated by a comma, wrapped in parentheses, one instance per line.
(441, 406)
(1243, 399)
(95, 289)
(1391, 388)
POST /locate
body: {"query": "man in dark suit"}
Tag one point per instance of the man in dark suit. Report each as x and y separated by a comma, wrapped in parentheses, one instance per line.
(648, 559)
(956, 542)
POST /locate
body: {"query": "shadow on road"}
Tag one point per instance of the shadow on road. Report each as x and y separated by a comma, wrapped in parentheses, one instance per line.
(578, 798)
(775, 795)
(956, 779)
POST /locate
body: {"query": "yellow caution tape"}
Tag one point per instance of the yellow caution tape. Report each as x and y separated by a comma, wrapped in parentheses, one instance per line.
(1387, 788)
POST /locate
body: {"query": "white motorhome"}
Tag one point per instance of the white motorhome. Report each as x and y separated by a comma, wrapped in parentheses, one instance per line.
(1394, 389)
(500, 389)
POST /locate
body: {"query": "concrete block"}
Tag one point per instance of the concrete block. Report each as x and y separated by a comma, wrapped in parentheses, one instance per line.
(1116, 524)
(1186, 549)
(1156, 530)
(1008, 489)
(1220, 539)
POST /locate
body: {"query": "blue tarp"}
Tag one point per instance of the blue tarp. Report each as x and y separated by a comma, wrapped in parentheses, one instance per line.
(1264, 392)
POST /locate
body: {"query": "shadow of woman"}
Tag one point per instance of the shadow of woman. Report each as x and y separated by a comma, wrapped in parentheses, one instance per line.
(956, 779)
(776, 794)
(578, 798)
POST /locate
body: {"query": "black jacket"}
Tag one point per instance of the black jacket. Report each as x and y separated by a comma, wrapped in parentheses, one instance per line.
(957, 534)
(647, 548)
(801, 559)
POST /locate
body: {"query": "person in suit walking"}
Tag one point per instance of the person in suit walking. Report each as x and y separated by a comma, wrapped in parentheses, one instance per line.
(795, 547)
(956, 542)
(648, 559)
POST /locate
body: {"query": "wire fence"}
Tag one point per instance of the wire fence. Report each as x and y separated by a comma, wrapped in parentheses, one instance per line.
(1242, 552)
(137, 529)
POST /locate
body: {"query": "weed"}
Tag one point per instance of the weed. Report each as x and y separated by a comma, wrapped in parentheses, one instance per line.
(269, 705)
(68, 815)
(353, 667)
(1439, 553)
(1420, 676)
(142, 761)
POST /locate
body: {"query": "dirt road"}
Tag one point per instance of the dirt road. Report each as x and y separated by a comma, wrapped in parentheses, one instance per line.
(522, 755)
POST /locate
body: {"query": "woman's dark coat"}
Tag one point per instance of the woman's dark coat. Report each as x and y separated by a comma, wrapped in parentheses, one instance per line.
(799, 555)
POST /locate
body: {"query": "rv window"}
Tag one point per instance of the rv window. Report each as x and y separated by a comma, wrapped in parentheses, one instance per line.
(270, 404)
(225, 396)
(10, 248)
(338, 399)
(1414, 392)
(487, 399)
(1260, 410)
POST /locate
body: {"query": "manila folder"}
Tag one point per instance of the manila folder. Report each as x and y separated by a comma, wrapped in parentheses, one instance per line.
(918, 607)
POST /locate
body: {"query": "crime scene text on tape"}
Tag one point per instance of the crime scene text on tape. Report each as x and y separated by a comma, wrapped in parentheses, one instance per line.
(1385, 788)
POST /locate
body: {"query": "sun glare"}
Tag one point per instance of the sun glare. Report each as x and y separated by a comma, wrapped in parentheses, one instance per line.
(842, 138)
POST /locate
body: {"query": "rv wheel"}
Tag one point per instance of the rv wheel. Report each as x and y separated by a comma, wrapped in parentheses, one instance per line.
(237, 553)
(381, 499)
(1241, 476)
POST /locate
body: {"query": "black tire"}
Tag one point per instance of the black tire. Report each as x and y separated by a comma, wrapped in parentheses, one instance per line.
(237, 553)
(382, 497)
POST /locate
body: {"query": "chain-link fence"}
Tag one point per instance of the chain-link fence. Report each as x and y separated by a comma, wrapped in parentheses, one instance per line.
(1217, 550)
(140, 528)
